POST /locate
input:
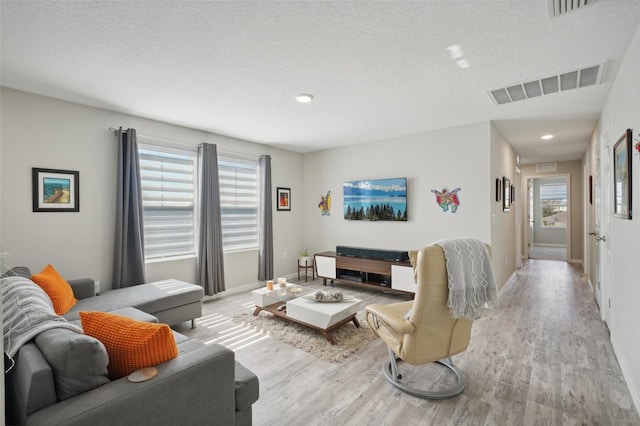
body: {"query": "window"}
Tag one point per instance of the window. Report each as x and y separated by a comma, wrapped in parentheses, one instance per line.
(168, 199)
(553, 202)
(239, 203)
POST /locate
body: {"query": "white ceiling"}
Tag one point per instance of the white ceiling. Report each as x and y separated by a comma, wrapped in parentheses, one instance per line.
(377, 70)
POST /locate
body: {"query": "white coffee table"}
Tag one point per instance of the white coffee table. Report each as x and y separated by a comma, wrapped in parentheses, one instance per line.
(322, 316)
(263, 297)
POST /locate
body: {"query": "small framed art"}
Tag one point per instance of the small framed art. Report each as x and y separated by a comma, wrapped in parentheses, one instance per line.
(55, 190)
(498, 190)
(506, 196)
(283, 197)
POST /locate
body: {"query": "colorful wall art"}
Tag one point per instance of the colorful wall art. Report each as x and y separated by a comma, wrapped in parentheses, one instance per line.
(283, 198)
(325, 204)
(380, 199)
(446, 199)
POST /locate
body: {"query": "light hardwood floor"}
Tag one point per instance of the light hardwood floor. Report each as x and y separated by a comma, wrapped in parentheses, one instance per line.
(543, 357)
(547, 252)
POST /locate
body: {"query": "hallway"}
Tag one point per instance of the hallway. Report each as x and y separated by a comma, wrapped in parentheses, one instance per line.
(547, 252)
(574, 377)
(543, 357)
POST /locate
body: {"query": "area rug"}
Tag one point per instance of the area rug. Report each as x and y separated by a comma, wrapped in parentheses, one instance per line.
(349, 339)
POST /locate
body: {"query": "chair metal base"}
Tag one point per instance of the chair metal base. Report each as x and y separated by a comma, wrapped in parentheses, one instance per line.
(390, 371)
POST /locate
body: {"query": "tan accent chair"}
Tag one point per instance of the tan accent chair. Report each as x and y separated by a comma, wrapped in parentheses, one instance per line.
(422, 331)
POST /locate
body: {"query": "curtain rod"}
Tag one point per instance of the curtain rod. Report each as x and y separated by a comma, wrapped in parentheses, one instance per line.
(223, 151)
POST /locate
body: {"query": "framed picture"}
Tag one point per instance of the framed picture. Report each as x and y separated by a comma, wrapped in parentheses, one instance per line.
(506, 196)
(283, 196)
(590, 189)
(513, 194)
(498, 190)
(55, 190)
(375, 199)
(622, 176)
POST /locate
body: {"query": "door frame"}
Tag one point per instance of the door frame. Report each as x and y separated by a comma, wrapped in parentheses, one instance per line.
(527, 243)
(592, 226)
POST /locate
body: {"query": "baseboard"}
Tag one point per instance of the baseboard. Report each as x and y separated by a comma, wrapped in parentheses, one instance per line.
(578, 261)
(245, 288)
(506, 285)
(626, 373)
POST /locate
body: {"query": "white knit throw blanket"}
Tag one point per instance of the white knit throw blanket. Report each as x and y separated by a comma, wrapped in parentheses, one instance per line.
(26, 312)
(471, 281)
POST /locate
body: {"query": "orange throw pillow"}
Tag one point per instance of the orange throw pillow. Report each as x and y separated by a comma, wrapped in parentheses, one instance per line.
(131, 344)
(58, 290)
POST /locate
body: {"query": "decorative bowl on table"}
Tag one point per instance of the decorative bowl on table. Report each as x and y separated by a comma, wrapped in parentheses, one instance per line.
(328, 296)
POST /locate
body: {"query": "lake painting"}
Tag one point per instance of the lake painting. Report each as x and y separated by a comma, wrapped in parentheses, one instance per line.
(56, 190)
(379, 199)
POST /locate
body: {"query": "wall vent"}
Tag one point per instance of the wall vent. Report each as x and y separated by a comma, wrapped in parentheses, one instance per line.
(546, 167)
(557, 8)
(576, 79)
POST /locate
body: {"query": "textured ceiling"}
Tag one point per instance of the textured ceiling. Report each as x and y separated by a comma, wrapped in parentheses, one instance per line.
(377, 69)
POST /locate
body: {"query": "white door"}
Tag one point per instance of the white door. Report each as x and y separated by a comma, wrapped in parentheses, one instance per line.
(595, 247)
(530, 222)
(519, 209)
(603, 233)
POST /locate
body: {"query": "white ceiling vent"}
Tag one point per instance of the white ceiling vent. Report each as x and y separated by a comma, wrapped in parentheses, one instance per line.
(545, 86)
(561, 7)
(546, 167)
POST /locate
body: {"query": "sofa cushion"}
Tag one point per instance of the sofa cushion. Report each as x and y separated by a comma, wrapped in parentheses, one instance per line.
(58, 290)
(135, 314)
(131, 344)
(18, 271)
(151, 298)
(79, 362)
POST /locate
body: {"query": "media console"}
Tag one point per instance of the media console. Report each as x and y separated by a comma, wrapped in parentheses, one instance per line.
(373, 268)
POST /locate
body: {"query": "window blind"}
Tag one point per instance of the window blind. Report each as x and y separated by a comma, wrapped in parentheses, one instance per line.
(239, 203)
(168, 198)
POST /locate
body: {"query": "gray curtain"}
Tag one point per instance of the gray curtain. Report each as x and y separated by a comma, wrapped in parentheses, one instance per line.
(265, 226)
(128, 264)
(210, 268)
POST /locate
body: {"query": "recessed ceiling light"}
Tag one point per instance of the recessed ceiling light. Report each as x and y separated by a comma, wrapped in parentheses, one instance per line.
(463, 63)
(304, 98)
(455, 51)
(546, 137)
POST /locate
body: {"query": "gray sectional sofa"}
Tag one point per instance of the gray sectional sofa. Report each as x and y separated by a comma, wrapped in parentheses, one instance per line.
(203, 385)
(171, 301)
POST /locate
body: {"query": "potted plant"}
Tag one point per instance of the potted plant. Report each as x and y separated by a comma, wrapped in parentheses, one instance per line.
(304, 259)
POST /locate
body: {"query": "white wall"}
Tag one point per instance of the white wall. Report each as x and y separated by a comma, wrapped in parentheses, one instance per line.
(43, 132)
(622, 111)
(503, 223)
(451, 158)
